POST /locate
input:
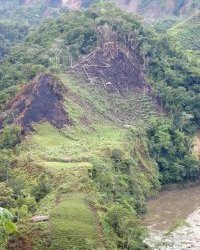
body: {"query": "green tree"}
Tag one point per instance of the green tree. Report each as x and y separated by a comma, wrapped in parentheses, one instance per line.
(6, 194)
(10, 137)
(7, 227)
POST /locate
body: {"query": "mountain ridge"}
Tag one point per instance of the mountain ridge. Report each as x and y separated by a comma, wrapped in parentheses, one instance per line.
(151, 10)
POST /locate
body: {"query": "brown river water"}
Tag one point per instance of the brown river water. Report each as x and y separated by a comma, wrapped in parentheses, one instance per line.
(171, 207)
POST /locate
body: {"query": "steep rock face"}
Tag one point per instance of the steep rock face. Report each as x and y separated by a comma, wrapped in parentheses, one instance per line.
(150, 9)
(41, 100)
(72, 4)
(154, 9)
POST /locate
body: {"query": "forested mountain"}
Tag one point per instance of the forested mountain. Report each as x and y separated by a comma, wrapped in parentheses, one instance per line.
(97, 113)
(18, 20)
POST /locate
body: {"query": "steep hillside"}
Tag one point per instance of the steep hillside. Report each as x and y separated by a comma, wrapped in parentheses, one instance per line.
(71, 4)
(153, 10)
(59, 43)
(150, 9)
(105, 129)
(186, 33)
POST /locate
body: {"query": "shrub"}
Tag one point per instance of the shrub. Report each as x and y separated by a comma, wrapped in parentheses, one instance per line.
(10, 137)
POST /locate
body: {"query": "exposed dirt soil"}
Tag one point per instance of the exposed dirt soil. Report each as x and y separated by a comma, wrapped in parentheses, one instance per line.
(72, 4)
(196, 148)
(114, 67)
(41, 100)
(19, 244)
(130, 6)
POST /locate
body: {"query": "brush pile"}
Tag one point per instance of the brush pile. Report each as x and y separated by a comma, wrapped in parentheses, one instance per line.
(112, 64)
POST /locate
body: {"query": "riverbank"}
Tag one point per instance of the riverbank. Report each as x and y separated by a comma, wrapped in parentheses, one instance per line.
(184, 237)
(173, 219)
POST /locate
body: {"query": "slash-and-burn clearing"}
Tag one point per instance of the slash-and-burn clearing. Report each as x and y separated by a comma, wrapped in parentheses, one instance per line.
(41, 100)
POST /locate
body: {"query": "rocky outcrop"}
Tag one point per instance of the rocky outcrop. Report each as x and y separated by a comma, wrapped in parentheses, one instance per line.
(72, 4)
(153, 10)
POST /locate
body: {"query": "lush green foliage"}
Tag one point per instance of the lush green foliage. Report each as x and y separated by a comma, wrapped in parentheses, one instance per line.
(19, 191)
(15, 23)
(187, 32)
(175, 78)
(124, 181)
(73, 224)
(7, 227)
(10, 137)
(11, 33)
(171, 150)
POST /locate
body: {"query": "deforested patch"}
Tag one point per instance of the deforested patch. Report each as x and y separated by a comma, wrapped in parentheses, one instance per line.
(113, 66)
(40, 100)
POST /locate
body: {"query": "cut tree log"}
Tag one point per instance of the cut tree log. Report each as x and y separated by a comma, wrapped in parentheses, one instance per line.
(40, 218)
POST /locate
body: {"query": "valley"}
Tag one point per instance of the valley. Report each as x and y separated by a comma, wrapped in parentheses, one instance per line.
(99, 121)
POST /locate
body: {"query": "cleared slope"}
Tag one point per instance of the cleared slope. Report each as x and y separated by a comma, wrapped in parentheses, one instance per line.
(41, 100)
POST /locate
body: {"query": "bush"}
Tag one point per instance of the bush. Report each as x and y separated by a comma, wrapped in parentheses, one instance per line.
(10, 137)
(42, 188)
(6, 194)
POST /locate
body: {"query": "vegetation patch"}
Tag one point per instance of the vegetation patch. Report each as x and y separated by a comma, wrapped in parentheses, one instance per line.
(74, 144)
(187, 32)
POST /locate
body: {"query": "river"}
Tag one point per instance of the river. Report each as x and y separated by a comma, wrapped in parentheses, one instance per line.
(165, 220)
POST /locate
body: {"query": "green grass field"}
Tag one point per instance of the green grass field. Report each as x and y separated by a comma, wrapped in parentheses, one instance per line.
(75, 145)
(74, 225)
(66, 165)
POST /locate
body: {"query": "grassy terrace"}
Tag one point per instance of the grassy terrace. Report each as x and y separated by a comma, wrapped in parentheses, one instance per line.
(74, 224)
(67, 154)
(73, 145)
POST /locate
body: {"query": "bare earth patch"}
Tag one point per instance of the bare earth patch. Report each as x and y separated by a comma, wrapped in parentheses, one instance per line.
(196, 148)
(40, 100)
